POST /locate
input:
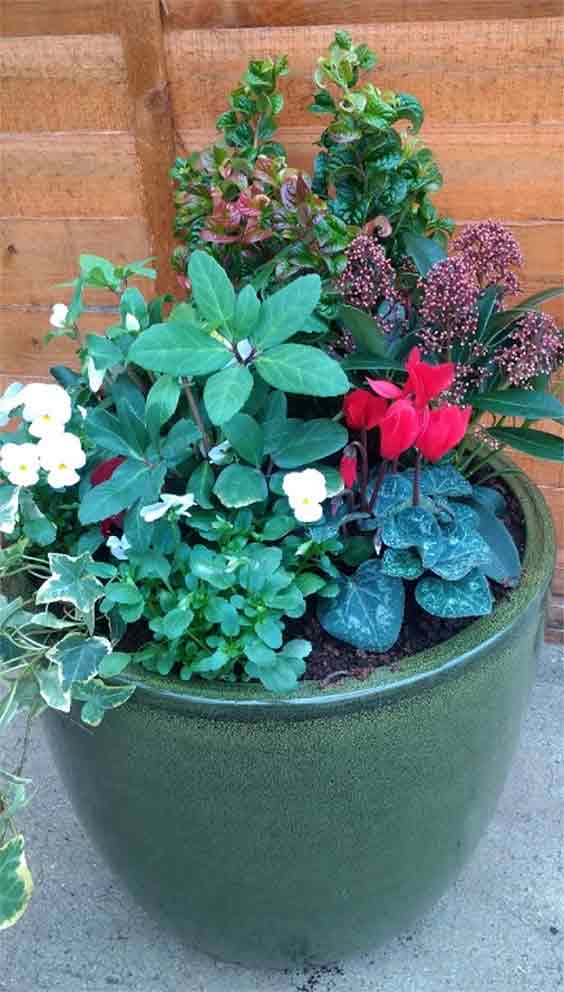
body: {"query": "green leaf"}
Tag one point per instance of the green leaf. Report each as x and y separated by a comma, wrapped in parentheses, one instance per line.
(16, 884)
(278, 526)
(519, 403)
(176, 623)
(52, 688)
(540, 297)
(201, 483)
(442, 480)
(71, 582)
(283, 314)
(415, 527)
(210, 567)
(368, 609)
(161, 403)
(226, 392)
(106, 431)
(302, 442)
(468, 597)
(114, 663)
(79, 657)
(269, 631)
(463, 550)
(362, 362)
(365, 330)
(309, 583)
(103, 351)
(211, 290)
(246, 437)
(177, 444)
(503, 563)
(179, 349)
(247, 312)
(405, 563)
(274, 419)
(299, 368)
(99, 698)
(9, 499)
(424, 251)
(240, 485)
(37, 527)
(539, 444)
(132, 481)
(132, 302)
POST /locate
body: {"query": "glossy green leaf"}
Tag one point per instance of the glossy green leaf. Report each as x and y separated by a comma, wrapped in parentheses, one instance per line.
(299, 368)
(179, 349)
(368, 609)
(463, 549)
(161, 403)
(361, 362)
(502, 563)
(539, 444)
(415, 527)
(37, 527)
(302, 442)
(130, 482)
(283, 314)
(177, 445)
(246, 437)
(366, 331)
(106, 431)
(247, 312)
(425, 252)
(240, 485)
(404, 563)
(211, 290)
(226, 392)
(525, 403)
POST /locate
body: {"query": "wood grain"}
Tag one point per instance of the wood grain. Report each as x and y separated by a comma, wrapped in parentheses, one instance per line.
(36, 254)
(53, 17)
(462, 72)
(23, 352)
(79, 174)
(143, 49)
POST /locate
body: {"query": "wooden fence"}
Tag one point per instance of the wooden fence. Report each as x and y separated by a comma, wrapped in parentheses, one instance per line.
(98, 96)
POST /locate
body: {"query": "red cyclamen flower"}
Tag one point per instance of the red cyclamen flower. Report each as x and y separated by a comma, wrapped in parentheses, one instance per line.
(362, 410)
(400, 428)
(424, 381)
(102, 473)
(445, 427)
(348, 466)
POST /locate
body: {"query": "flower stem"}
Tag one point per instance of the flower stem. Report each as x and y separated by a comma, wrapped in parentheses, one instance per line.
(196, 415)
(377, 485)
(416, 478)
(364, 468)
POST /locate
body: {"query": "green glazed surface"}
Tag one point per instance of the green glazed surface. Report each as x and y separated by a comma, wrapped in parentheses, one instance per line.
(272, 831)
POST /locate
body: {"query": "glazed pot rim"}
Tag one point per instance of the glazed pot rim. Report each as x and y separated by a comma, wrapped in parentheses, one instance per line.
(418, 671)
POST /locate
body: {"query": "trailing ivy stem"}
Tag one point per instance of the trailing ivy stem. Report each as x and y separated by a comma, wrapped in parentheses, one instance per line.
(416, 477)
(196, 415)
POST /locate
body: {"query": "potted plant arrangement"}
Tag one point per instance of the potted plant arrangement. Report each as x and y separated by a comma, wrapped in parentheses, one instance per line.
(265, 538)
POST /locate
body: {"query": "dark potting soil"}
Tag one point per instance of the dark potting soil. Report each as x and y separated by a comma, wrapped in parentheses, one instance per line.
(332, 660)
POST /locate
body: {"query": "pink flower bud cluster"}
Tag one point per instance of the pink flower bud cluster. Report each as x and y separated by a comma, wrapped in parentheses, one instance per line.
(368, 277)
(536, 347)
(492, 250)
(449, 311)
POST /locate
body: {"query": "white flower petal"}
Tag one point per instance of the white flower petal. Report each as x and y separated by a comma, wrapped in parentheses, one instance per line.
(59, 315)
(95, 376)
(244, 349)
(41, 398)
(153, 511)
(308, 511)
(13, 456)
(219, 452)
(131, 323)
(45, 425)
(59, 477)
(119, 546)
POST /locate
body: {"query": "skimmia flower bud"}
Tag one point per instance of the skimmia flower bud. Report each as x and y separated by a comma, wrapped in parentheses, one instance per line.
(492, 250)
(368, 276)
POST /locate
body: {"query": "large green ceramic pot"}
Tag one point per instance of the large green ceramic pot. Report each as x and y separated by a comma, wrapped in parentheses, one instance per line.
(276, 831)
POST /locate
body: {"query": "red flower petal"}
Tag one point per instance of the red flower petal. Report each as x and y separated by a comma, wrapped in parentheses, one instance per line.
(362, 410)
(105, 470)
(384, 388)
(347, 469)
(424, 380)
(445, 428)
(399, 428)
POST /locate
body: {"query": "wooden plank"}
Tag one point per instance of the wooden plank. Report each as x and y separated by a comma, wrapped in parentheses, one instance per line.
(39, 253)
(143, 49)
(519, 178)
(462, 72)
(70, 83)
(51, 17)
(24, 356)
(76, 173)
(280, 13)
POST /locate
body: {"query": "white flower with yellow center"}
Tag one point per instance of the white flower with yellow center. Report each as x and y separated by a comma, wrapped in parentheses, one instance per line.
(306, 491)
(60, 455)
(168, 501)
(59, 314)
(20, 462)
(47, 407)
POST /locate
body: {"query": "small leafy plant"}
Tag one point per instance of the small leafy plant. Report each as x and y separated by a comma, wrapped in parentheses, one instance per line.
(216, 472)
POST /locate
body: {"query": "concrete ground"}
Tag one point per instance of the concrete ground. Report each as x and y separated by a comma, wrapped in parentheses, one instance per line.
(499, 929)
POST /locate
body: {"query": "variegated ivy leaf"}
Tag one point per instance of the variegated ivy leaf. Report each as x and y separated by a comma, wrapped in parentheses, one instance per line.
(79, 657)
(415, 527)
(9, 500)
(16, 884)
(467, 597)
(71, 581)
(98, 698)
(51, 687)
(368, 609)
(464, 549)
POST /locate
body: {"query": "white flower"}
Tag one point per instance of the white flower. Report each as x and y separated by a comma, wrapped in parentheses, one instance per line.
(9, 401)
(60, 455)
(20, 462)
(219, 453)
(306, 491)
(131, 323)
(119, 546)
(244, 349)
(59, 315)
(168, 501)
(95, 376)
(47, 407)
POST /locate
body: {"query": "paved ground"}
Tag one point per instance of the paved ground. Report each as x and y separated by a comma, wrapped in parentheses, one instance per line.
(500, 929)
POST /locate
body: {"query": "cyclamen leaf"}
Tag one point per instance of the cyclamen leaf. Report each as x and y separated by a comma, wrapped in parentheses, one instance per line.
(463, 550)
(405, 563)
(226, 392)
(502, 563)
(300, 368)
(16, 884)
(415, 527)
(368, 609)
(468, 597)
